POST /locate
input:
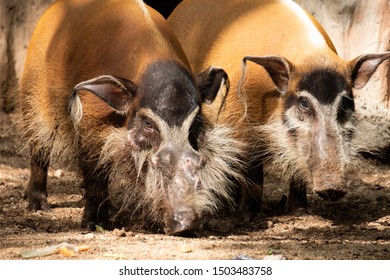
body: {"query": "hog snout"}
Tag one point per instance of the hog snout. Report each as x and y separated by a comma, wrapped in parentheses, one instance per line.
(329, 187)
(182, 219)
(181, 166)
(182, 222)
(331, 194)
(327, 164)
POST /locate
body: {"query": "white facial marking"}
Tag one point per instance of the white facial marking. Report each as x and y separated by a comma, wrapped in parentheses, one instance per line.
(172, 134)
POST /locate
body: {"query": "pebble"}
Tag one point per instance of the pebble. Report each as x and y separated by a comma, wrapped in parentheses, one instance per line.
(119, 232)
(58, 173)
(243, 257)
(89, 235)
(270, 224)
(274, 257)
(185, 248)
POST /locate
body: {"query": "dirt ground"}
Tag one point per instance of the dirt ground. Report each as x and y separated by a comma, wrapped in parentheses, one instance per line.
(357, 227)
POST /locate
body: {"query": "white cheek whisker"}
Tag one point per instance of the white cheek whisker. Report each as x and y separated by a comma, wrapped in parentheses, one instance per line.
(287, 141)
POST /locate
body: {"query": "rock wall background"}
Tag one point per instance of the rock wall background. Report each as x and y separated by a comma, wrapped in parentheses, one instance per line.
(355, 26)
(17, 22)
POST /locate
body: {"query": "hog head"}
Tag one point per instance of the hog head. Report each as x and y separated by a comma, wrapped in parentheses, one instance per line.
(309, 132)
(153, 158)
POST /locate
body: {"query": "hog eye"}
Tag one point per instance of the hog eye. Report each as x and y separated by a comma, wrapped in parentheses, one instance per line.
(148, 125)
(144, 134)
(303, 103)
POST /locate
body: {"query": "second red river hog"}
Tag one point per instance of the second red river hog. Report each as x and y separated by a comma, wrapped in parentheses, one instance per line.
(291, 97)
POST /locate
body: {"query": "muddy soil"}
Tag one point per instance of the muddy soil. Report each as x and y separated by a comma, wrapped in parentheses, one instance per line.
(356, 227)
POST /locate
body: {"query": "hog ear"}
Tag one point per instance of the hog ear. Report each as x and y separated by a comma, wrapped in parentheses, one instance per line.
(211, 82)
(362, 68)
(277, 67)
(116, 92)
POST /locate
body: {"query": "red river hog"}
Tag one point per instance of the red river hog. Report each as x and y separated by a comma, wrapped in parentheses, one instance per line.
(291, 94)
(107, 83)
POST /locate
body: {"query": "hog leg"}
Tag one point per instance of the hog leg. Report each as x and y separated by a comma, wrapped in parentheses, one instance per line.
(36, 192)
(96, 209)
(251, 199)
(296, 200)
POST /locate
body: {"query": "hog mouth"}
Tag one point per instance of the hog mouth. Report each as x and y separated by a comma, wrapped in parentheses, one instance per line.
(329, 185)
(331, 194)
(182, 222)
(329, 189)
(182, 218)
